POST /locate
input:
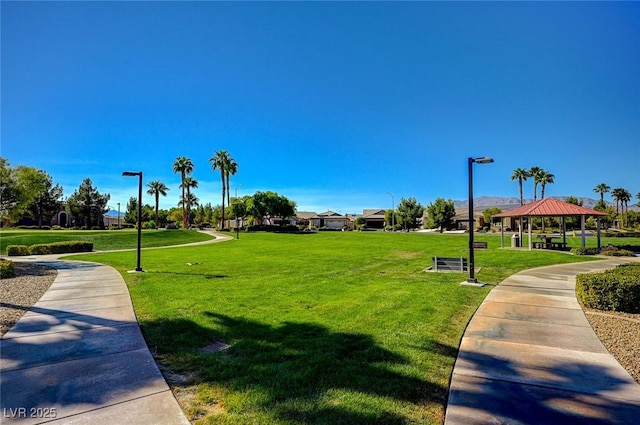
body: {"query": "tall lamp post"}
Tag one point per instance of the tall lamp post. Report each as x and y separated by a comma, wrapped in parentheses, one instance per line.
(480, 160)
(139, 174)
(393, 213)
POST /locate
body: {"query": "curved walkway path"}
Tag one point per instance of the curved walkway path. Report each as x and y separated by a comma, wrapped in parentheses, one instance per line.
(529, 356)
(78, 356)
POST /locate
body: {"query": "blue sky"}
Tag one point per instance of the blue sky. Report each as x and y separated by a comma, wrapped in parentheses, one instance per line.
(333, 105)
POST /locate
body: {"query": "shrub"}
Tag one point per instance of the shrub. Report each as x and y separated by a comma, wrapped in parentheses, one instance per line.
(15, 250)
(149, 225)
(615, 251)
(57, 248)
(584, 251)
(69, 246)
(614, 290)
(40, 249)
(7, 269)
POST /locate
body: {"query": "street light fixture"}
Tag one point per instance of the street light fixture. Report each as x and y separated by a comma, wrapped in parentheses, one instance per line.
(139, 174)
(480, 160)
(393, 213)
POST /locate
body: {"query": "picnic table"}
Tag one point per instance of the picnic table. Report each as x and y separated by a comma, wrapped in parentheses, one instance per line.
(549, 242)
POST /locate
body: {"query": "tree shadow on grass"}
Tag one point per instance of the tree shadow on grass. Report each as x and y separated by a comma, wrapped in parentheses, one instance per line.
(303, 372)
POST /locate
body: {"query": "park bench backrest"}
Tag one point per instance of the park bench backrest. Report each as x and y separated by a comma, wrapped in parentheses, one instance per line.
(450, 264)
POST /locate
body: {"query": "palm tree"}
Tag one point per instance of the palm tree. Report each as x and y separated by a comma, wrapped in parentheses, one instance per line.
(189, 183)
(602, 188)
(220, 161)
(520, 175)
(616, 194)
(157, 188)
(545, 179)
(189, 201)
(535, 173)
(184, 166)
(638, 197)
(625, 197)
(231, 169)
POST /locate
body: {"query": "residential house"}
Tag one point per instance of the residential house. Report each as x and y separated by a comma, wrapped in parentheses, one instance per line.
(374, 218)
(331, 220)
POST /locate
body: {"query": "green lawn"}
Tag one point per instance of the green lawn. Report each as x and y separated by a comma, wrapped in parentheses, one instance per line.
(103, 240)
(327, 328)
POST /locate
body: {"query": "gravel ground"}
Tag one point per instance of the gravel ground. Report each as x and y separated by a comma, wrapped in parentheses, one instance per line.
(619, 332)
(19, 293)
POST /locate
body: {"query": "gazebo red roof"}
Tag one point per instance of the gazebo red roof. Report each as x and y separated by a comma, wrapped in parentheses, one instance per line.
(548, 207)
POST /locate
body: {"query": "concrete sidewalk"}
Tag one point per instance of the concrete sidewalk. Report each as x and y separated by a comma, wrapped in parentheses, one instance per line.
(78, 357)
(529, 356)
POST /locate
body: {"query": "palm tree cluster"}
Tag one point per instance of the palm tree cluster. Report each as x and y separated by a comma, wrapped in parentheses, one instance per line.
(621, 197)
(222, 161)
(184, 166)
(540, 177)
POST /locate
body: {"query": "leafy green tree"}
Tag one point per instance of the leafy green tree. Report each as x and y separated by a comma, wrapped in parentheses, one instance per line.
(391, 218)
(410, 211)
(208, 213)
(8, 191)
(47, 203)
(280, 206)
(489, 213)
(157, 188)
(266, 205)
(88, 206)
(441, 214)
(573, 200)
(175, 215)
(184, 166)
(521, 175)
(131, 214)
(258, 206)
(572, 222)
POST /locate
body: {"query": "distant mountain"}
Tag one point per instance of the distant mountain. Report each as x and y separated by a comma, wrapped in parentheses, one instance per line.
(507, 203)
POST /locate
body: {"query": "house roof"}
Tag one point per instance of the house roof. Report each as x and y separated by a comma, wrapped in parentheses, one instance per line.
(327, 215)
(371, 213)
(548, 207)
(305, 214)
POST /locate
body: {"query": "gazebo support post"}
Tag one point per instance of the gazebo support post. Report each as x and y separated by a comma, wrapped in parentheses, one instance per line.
(530, 238)
(584, 236)
(502, 232)
(520, 232)
(564, 230)
(598, 231)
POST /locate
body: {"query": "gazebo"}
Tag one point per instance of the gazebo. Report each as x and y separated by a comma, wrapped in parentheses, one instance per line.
(550, 207)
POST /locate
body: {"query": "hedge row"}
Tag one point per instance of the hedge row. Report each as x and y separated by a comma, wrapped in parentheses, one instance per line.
(7, 269)
(614, 290)
(50, 248)
(610, 250)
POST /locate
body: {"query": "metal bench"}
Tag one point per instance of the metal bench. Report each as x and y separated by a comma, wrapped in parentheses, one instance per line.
(450, 264)
(480, 244)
